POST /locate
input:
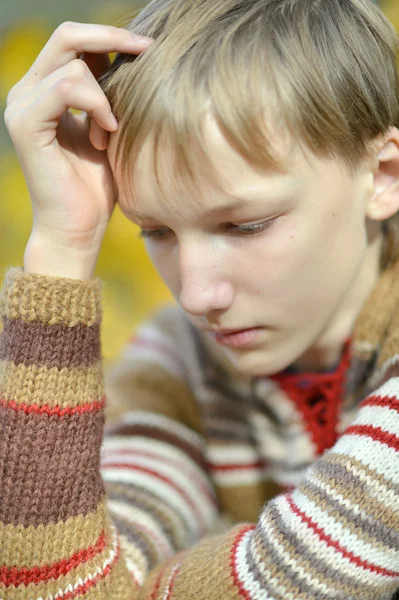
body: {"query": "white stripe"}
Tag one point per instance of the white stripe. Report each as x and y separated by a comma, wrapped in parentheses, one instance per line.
(152, 356)
(338, 498)
(375, 489)
(115, 444)
(156, 486)
(232, 454)
(377, 554)
(130, 549)
(289, 559)
(176, 476)
(240, 477)
(394, 360)
(168, 586)
(99, 571)
(143, 519)
(390, 388)
(166, 353)
(150, 419)
(247, 579)
(379, 416)
(374, 454)
(319, 547)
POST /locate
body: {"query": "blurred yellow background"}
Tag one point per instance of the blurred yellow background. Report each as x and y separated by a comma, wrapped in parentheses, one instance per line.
(132, 289)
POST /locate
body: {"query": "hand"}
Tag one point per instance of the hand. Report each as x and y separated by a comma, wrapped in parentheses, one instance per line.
(63, 155)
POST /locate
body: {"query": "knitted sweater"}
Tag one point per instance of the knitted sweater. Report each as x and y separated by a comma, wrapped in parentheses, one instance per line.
(204, 484)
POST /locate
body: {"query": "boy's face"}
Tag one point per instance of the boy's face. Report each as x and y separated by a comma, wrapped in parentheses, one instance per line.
(301, 281)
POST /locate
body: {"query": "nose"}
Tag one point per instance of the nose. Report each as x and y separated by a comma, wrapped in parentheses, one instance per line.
(204, 286)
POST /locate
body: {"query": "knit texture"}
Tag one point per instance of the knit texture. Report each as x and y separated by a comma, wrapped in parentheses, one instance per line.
(204, 484)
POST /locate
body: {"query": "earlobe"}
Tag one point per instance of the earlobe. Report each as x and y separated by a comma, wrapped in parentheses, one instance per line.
(384, 202)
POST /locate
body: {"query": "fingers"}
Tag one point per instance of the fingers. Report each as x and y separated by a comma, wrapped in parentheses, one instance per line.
(39, 118)
(75, 74)
(70, 40)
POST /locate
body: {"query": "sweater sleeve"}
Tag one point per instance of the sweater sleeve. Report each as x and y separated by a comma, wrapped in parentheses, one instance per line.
(335, 536)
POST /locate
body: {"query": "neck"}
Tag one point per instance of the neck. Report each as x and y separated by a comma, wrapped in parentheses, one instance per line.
(326, 352)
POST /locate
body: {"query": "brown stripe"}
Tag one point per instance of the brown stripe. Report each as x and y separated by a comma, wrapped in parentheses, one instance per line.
(368, 529)
(52, 387)
(299, 554)
(51, 345)
(49, 467)
(155, 433)
(337, 472)
(134, 535)
(173, 523)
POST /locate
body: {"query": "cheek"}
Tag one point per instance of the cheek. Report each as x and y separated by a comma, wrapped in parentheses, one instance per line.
(165, 262)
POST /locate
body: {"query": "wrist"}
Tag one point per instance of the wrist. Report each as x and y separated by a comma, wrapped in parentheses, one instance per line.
(45, 257)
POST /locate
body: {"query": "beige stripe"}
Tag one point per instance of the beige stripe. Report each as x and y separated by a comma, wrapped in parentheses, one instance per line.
(333, 513)
(50, 300)
(379, 510)
(202, 568)
(43, 590)
(19, 552)
(145, 500)
(67, 387)
(117, 579)
(244, 503)
(151, 389)
(281, 576)
(377, 313)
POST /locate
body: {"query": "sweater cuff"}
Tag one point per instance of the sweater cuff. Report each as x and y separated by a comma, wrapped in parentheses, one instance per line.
(50, 300)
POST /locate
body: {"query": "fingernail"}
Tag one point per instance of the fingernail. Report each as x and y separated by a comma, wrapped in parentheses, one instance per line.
(114, 122)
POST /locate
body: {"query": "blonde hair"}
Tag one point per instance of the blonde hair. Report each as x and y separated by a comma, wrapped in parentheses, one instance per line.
(324, 71)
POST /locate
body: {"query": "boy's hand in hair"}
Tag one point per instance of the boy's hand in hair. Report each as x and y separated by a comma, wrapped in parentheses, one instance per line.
(63, 155)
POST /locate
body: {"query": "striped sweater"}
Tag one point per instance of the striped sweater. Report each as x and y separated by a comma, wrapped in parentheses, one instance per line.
(170, 476)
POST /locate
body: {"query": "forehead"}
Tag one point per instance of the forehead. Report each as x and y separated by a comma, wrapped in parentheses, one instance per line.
(236, 178)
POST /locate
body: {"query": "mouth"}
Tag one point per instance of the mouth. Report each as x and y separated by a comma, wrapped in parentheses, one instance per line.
(236, 338)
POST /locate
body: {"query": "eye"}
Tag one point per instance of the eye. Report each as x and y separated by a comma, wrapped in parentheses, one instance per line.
(232, 228)
(251, 229)
(153, 233)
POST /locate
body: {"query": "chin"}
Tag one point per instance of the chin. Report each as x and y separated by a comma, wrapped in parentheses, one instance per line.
(258, 364)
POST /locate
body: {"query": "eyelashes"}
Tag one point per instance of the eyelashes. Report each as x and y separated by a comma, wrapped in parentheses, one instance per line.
(249, 230)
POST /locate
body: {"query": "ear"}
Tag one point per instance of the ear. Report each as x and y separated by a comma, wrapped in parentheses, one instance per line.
(384, 202)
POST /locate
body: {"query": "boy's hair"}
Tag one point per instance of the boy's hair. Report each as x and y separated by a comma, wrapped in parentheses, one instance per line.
(322, 71)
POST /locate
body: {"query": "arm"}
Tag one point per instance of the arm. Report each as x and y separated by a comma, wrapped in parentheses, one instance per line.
(335, 536)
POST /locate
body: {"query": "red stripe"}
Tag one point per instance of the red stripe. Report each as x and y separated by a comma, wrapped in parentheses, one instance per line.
(233, 562)
(14, 576)
(172, 582)
(157, 585)
(330, 542)
(236, 466)
(56, 410)
(82, 589)
(169, 461)
(162, 478)
(383, 401)
(375, 433)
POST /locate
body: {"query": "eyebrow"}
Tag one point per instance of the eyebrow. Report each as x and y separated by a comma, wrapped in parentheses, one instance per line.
(235, 202)
(218, 210)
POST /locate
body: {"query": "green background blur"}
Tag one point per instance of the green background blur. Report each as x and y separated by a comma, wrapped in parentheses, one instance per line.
(132, 288)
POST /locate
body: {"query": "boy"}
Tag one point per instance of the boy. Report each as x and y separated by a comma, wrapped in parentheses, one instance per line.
(265, 404)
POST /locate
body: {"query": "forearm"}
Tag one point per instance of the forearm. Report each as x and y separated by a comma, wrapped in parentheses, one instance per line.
(52, 413)
(335, 536)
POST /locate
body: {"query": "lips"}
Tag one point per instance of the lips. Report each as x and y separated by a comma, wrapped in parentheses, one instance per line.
(231, 331)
